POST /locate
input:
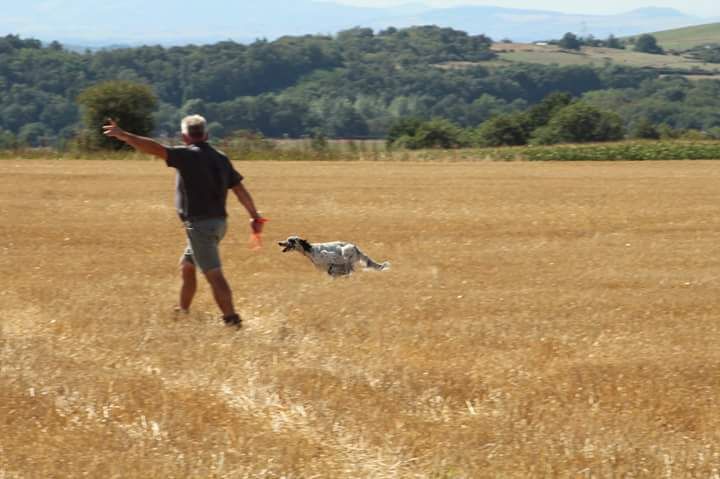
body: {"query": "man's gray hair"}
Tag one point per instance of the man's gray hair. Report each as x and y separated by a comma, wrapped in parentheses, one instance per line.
(194, 126)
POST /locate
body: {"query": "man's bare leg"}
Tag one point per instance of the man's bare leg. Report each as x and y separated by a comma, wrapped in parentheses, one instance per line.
(189, 285)
(221, 292)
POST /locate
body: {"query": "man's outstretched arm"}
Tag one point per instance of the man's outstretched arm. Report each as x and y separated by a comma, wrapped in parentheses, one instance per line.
(140, 143)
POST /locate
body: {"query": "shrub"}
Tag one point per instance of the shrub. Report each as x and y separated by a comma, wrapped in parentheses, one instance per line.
(648, 44)
(437, 133)
(645, 129)
(405, 127)
(694, 135)
(667, 132)
(440, 133)
(714, 133)
(318, 141)
(504, 130)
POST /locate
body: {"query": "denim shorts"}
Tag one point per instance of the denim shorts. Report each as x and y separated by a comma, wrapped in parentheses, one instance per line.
(204, 238)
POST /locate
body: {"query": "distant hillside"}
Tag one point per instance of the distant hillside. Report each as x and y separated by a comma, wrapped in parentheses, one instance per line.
(687, 38)
(554, 55)
(355, 84)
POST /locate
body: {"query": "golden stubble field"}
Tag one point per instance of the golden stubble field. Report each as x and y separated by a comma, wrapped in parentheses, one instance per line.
(540, 320)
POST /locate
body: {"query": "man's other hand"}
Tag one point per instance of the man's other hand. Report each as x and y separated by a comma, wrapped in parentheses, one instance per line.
(257, 225)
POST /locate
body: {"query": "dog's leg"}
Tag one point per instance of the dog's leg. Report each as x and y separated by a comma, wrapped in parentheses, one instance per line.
(369, 263)
(337, 270)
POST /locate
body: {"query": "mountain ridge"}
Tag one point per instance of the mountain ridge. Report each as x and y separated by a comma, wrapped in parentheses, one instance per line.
(96, 24)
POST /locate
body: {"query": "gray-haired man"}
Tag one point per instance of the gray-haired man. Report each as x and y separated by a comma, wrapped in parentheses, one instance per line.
(204, 175)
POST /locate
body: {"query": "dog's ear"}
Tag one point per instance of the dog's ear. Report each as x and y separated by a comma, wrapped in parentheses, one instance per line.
(305, 245)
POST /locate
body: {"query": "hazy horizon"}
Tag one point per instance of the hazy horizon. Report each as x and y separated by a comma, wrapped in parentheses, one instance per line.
(701, 8)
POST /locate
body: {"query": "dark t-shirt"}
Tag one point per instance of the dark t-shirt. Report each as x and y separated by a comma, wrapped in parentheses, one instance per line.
(203, 179)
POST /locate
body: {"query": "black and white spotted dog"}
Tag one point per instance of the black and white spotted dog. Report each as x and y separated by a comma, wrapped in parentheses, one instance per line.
(336, 258)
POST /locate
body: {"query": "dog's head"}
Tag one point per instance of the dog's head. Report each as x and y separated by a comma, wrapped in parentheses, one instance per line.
(295, 243)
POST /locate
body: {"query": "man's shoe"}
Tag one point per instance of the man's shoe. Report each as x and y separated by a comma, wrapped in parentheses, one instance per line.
(233, 320)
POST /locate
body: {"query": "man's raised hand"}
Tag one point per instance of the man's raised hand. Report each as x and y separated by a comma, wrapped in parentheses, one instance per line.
(112, 130)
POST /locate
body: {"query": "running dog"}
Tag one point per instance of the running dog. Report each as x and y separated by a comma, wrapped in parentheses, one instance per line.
(336, 258)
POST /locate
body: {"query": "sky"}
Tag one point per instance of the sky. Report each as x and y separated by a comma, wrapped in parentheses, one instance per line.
(703, 8)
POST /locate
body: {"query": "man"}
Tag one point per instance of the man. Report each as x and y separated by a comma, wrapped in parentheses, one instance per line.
(204, 175)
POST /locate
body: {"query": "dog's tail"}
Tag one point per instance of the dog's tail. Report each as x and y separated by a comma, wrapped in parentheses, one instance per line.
(376, 266)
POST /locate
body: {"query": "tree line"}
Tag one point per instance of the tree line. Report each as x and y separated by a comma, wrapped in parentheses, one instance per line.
(355, 84)
(645, 43)
(558, 118)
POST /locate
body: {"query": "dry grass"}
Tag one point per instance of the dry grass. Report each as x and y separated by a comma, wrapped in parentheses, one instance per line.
(540, 320)
(346, 146)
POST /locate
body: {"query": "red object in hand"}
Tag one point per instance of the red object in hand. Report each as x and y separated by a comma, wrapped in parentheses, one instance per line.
(256, 237)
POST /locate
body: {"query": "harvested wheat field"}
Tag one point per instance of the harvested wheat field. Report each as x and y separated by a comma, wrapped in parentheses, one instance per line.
(539, 320)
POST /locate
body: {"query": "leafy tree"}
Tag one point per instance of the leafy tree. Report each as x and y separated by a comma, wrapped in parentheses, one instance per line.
(570, 41)
(540, 114)
(573, 42)
(618, 76)
(345, 121)
(130, 104)
(33, 134)
(14, 42)
(648, 44)
(613, 42)
(7, 140)
(488, 106)
(580, 123)
(516, 128)
(677, 102)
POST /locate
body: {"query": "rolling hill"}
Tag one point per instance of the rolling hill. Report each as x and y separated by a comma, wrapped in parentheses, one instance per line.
(675, 40)
(546, 54)
(689, 37)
